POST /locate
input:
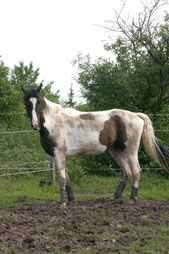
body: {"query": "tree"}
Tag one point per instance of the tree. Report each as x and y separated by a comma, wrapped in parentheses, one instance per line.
(147, 43)
(71, 94)
(24, 75)
(8, 101)
(139, 78)
(103, 84)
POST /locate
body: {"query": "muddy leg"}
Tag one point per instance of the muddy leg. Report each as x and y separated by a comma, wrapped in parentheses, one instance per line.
(68, 188)
(134, 194)
(60, 161)
(122, 160)
(120, 189)
(136, 172)
(134, 191)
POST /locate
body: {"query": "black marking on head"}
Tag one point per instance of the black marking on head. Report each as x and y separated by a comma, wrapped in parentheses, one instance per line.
(40, 105)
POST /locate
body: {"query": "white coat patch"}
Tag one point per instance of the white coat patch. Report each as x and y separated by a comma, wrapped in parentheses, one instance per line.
(34, 115)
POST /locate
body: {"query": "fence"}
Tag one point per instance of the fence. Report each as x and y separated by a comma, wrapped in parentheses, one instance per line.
(21, 151)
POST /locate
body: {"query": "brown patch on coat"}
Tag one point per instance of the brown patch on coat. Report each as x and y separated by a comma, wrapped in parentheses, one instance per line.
(108, 135)
(87, 116)
(114, 133)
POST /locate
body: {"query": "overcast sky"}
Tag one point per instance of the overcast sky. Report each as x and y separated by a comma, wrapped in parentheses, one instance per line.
(50, 33)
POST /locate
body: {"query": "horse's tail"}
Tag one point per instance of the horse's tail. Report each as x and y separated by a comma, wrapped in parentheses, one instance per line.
(152, 145)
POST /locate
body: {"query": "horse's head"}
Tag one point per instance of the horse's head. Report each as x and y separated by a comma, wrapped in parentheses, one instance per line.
(35, 103)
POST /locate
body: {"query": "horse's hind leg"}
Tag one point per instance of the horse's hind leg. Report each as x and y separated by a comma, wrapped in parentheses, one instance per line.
(136, 172)
(122, 160)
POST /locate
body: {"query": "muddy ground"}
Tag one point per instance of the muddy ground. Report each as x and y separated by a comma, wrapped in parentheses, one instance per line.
(94, 226)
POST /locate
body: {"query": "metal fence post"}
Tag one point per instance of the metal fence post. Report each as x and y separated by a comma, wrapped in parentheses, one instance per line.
(52, 171)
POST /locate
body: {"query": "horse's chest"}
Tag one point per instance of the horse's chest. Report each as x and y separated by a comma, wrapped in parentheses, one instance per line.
(48, 143)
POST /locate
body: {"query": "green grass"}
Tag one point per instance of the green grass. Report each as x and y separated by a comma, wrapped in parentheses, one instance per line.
(26, 189)
(154, 241)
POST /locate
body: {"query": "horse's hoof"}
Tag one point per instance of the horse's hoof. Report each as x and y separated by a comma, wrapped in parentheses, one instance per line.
(117, 201)
(63, 205)
(132, 202)
(71, 198)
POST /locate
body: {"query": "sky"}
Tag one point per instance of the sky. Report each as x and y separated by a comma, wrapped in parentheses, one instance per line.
(50, 33)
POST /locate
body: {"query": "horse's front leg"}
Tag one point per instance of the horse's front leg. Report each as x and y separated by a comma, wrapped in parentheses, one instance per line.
(68, 188)
(65, 189)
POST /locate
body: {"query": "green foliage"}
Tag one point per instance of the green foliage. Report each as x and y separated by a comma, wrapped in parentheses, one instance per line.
(75, 170)
(24, 75)
(8, 94)
(138, 80)
(103, 84)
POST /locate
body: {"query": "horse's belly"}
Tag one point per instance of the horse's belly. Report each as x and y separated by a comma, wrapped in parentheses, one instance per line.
(85, 145)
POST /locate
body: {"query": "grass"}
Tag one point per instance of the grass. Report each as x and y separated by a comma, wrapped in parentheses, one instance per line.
(26, 189)
(154, 241)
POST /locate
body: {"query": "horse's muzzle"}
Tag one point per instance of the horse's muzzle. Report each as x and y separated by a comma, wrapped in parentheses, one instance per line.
(35, 127)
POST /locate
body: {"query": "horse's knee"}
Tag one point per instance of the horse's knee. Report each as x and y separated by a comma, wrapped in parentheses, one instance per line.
(136, 179)
(128, 176)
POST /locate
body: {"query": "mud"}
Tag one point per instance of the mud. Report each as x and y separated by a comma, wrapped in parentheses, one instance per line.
(94, 226)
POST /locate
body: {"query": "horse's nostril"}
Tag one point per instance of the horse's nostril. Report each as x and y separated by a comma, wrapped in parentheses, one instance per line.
(35, 127)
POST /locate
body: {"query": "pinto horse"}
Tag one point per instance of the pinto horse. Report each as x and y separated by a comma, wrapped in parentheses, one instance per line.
(65, 131)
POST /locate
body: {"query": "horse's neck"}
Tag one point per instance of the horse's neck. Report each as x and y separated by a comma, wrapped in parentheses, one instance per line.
(60, 110)
(51, 105)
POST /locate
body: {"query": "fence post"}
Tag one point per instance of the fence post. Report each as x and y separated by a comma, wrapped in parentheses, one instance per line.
(52, 171)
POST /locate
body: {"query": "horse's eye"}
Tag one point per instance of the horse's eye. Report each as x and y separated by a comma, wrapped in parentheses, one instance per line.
(28, 103)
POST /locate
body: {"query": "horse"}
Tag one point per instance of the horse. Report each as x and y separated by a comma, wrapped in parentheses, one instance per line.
(65, 131)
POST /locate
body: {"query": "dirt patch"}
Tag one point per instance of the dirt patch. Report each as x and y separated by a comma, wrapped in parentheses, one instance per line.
(94, 226)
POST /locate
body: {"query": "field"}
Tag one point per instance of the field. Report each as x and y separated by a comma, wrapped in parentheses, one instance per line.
(32, 222)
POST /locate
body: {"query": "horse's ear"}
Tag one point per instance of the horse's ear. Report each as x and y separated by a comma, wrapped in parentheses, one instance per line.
(39, 88)
(23, 89)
